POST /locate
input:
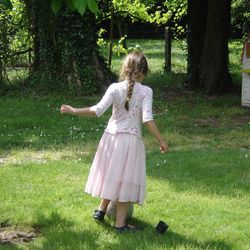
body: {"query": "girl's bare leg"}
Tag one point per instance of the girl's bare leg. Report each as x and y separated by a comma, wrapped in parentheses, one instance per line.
(103, 205)
(121, 213)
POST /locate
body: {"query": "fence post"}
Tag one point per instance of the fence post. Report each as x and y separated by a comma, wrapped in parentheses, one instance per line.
(168, 45)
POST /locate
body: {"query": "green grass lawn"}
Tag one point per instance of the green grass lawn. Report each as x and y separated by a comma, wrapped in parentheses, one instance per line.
(200, 188)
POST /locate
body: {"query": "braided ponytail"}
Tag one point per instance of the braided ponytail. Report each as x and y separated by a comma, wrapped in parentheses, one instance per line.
(130, 91)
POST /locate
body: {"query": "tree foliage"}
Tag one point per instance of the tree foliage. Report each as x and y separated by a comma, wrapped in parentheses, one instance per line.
(15, 40)
(76, 5)
(7, 4)
(240, 16)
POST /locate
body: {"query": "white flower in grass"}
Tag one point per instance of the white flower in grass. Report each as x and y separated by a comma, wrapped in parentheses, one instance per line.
(75, 128)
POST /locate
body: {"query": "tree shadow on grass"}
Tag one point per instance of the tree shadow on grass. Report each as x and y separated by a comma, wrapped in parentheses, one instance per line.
(60, 233)
(148, 238)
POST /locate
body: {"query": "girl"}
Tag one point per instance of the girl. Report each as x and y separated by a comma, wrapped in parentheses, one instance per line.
(118, 171)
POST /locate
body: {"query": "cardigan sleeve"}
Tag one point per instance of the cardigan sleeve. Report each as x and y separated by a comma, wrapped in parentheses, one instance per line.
(147, 114)
(105, 102)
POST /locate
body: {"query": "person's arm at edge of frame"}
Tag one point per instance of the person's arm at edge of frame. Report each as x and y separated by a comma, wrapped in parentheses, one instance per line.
(151, 126)
(66, 109)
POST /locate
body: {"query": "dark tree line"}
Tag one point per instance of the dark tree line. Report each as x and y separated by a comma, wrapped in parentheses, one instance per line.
(65, 50)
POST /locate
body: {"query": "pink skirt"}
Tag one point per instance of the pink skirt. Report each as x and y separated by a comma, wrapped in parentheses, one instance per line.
(118, 171)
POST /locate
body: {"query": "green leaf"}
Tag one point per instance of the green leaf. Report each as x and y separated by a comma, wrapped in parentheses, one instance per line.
(71, 5)
(80, 5)
(56, 5)
(92, 5)
(7, 4)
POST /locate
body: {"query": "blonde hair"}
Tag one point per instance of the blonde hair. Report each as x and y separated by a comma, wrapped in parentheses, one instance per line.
(135, 67)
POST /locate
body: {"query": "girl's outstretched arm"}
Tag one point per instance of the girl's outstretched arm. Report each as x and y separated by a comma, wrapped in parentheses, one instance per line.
(66, 109)
(151, 126)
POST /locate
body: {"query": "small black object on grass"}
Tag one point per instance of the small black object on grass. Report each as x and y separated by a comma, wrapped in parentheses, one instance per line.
(161, 227)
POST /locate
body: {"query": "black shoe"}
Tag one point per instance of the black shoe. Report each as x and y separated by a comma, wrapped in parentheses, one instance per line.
(126, 228)
(98, 215)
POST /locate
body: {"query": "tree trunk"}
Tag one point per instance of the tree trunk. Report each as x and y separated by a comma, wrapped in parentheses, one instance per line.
(208, 45)
(1, 72)
(121, 30)
(214, 74)
(197, 17)
(65, 49)
(42, 28)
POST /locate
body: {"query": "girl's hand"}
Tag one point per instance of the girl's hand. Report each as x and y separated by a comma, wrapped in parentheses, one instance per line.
(163, 146)
(66, 109)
